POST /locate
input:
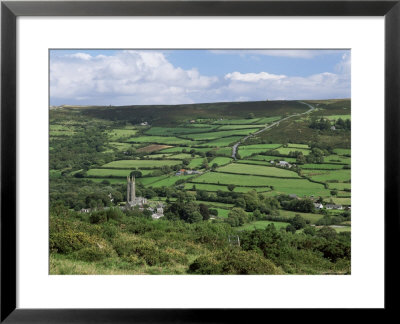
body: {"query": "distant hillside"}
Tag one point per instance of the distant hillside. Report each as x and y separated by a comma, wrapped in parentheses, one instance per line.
(171, 114)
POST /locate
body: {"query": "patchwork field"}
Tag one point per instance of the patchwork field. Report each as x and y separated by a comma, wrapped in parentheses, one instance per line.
(323, 176)
(269, 158)
(117, 173)
(261, 225)
(153, 148)
(160, 140)
(120, 134)
(224, 141)
(299, 186)
(133, 164)
(218, 134)
(258, 170)
(215, 188)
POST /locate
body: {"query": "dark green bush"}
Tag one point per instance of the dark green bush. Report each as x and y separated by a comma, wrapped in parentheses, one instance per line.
(233, 262)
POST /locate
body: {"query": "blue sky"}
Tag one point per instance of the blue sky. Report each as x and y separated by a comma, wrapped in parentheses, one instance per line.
(128, 77)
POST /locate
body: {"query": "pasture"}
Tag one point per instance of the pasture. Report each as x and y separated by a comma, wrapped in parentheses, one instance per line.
(163, 131)
(116, 173)
(153, 148)
(321, 166)
(337, 159)
(336, 117)
(195, 163)
(269, 171)
(340, 151)
(220, 161)
(121, 134)
(269, 158)
(342, 201)
(299, 186)
(218, 134)
(232, 127)
(300, 146)
(323, 175)
(313, 218)
(236, 121)
(262, 224)
(287, 150)
(224, 141)
(169, 181)
(215, 188)
(160, 140)
(146, 164)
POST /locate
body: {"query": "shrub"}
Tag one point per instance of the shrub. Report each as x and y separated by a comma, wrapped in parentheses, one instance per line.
(66, 236)
(94, 253)
(233, 262)
(98, 217)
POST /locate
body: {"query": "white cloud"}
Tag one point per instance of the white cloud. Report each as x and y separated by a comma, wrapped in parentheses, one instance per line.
(293, 53)
(147, 77)
(253, 77)
(134, 77)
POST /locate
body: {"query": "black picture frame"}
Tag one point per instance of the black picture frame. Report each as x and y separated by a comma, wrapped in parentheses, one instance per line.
(10, 10)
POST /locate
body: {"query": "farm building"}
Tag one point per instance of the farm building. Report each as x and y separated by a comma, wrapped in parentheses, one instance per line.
(331, 206)
(318, 205)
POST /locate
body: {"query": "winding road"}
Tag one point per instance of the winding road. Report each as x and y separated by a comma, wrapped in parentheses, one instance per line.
(236, 145)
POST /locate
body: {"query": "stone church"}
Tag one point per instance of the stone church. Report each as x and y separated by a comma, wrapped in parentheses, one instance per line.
(131, 199)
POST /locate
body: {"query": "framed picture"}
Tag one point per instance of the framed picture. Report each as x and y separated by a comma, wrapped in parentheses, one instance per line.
(163, 159)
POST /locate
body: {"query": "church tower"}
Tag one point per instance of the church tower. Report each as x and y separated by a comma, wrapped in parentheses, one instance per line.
(131, 189)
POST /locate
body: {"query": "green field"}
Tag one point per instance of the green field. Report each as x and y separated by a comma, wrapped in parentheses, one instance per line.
(340, 151)
(269, 158)
(180, 156)
(288, 186)
(110, 180)
(225, 151)
(258, 170)
(218, 134)
(339, 185)
(321, 166)
(336, 117)
(104, 173)
(248, 150)
(231, 127)
(236, 121)
(287, 150)
(263, 147)
(121, 146)
(170, 181)
(261, 225)
(119, 134)
(224, 141)
(215, 188)
(323, 176)
(220, 161)
(301, 146)
(195, 163)
(223, 213)
(342, 229)
(163, 131)
(266, 163)
(160, 140)
(342, 201)
(132, 164)
(337, 159)
(215, 204)
(313, 218)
